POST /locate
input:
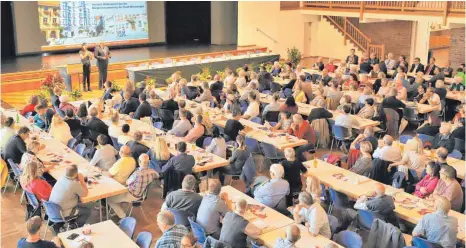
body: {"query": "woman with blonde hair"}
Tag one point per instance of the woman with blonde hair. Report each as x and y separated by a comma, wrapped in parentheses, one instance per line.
(413, 158)
(313, 187)
(298, 94)
(318, 97)
(241, 80)
(60, 130)
(205, 120)
(159, 154)
(32, 183)
(130, 87)
(31, 156)
(363, 165)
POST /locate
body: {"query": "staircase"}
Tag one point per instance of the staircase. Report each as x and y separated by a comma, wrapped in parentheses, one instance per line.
(355, 36)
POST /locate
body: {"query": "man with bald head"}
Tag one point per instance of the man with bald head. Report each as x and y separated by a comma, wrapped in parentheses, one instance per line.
(137, 183)
(171, 233)
(443, 138)
(122, 169)
(438, 227)
(387, 151)
(236, 227)
(212, 208)
(293, 234)
(380, 204)
(66, 193)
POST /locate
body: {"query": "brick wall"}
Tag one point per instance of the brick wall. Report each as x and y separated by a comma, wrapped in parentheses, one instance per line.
(456, 47)
(395, 35)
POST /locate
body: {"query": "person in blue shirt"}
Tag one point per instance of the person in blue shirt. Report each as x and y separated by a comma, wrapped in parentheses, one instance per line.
(40, 119)
(33, 236)
(272, 191)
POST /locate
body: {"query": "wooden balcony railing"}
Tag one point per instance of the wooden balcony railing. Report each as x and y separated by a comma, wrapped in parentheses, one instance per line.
(439, 41)
(435, 8)
(352, 33)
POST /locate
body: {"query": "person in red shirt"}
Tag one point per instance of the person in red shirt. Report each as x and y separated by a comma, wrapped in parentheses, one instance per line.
(302, 130)
(330, 66)
(32, 183)
(33, 101)
(427, 185)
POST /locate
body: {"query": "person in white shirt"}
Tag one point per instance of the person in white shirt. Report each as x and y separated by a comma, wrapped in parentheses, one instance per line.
(229, 79)
(253, 109)
(353, 93)
(432, 98)
(390, 62)
(181, 126)
(252, 87)
(217, 145)
(402, 92)
(104, 157)
(241, 80)
(313, 214)
(387, 152)
(346, 119)
(384, 89)
(60, 130)
(114, 130)
(7, 132)
(124, 137)
(273, 106)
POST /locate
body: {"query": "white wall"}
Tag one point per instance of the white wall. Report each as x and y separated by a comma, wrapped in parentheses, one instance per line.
(224, 22)
(287, 28)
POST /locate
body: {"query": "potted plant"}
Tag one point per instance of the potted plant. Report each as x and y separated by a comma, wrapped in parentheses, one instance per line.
(294, 55)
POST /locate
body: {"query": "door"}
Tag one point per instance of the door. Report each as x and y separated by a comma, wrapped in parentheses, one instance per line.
(307, 39)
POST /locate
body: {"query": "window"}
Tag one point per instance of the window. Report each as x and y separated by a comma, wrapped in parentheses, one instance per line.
(44, 20)
(54, 20)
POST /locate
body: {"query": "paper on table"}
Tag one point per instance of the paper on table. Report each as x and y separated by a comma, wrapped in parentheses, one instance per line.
(259, 223)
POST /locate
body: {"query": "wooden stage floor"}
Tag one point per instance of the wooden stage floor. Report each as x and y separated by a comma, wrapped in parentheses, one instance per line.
(48, 61)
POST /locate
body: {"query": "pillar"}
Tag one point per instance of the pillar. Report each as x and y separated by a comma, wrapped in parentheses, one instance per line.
(224, 22)
(420, 37)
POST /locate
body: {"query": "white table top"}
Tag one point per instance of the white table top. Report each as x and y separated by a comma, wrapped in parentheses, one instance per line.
(104, 234)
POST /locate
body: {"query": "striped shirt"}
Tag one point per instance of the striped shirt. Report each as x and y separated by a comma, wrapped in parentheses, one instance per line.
(171, 238)
(139, 181)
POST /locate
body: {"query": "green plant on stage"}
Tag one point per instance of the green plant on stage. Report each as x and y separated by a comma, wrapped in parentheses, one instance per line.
(150, 81)
(222, 74)
(268, 67)
(74, 94)
(205, 74)
(43, 94)
(116, 87)
(294, 55)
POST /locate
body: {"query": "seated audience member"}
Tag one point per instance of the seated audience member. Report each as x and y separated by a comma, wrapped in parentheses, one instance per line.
(189, 241)
(289, 106)
(390, 62)
(368, 111)
(438, 227)
(283, 124)
(428, 183)
(217, 146)
(352, 58)
(30, 108)
(208, 126)
(276, 69)
(231, 103)
(449, 188)
(318, 65)
(413, 158)
(459, 131)
(272, 191)
(421, 90)
(347, 120)
(293, 168)
(216, 87)
(136, 145)
(441, 155)
(65, 105)
(16, 146)
(330, 66)
(291, 83)
(430, 127)
(313, 215)
(130, 104)
(122, 169)
(196, 132)
(182, 126)
(137, 184)
(431, 98)
(32, 182)
(182, 162)
(159, 154)
(458, 84)
(212, 209)
(206, 94)
(253, 109)
(417, 66)
(40, 119)
(302, 130)
(182, 106)
(438, 75)
(186, 91)
(365, 67)
(285, 73)
(33, 236)
(124, 136)
(298, 94)
(144, 109)
(274, 106)
(313, 187)
(59, 130)
(367, 135)
(154, 100)
(320, 112)
(373, 60)
(252, 87)
(73, 123)
(233, 126)
(116, 99)
(325, 77)
(374, 73)
(391, 101)
(236, 228)
(7, 131)
(31, 156)
(237, 160)
(104, 156)
(171, 233)
(363, 165)
(401, 62)
(170, 104)
(293, 234)
(401, 92)
(366, 94)
(185, 199)
(383, 90)
(82, 113)
(107, 91)
(353, 79)
(379, 203)
(241, 81)
(387, 151)
(319, 96)
(66, 193)
(114, 130)
(443, 138)
(96, 125)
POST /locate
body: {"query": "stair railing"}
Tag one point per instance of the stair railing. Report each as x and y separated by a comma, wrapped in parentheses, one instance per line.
(266, 35)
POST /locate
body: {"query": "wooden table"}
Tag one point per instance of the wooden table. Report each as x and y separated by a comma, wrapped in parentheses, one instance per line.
(306, 240)
(273, 220)
(350, 187)
(104, 234)
(456, 95)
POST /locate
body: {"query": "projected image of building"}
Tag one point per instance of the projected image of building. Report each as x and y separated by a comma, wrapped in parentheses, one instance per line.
(75, 18)
(49, 19)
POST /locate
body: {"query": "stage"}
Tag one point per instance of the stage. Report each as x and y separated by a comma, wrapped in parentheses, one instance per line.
(49, 61)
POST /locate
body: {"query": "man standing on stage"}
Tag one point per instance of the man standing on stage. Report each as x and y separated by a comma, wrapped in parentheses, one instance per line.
(102, 54)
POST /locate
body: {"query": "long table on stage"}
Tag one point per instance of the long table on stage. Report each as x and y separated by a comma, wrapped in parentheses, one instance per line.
(188, 68)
